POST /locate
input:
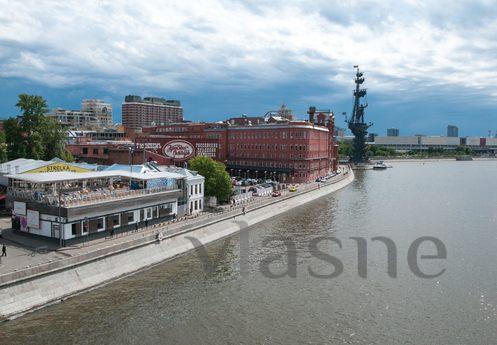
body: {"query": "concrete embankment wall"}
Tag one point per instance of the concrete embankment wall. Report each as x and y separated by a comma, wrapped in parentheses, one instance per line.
(31, 292)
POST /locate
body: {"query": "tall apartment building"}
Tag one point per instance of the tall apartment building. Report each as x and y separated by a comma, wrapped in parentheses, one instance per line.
(138, 112)
(452, 131)
(94, 114)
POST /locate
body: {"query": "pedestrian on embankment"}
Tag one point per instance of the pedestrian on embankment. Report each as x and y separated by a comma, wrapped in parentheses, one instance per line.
(4, 250)
(136, 226)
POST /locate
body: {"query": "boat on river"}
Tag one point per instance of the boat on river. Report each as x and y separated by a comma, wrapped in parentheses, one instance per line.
(380, 165)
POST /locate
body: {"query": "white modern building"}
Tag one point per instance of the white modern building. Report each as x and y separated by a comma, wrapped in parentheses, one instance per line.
(102, 110)
(94, 114)
(195, 187)
(70, 207)
(423, 143)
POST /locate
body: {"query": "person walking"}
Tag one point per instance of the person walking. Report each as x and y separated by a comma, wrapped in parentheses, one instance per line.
(136, 226)
(146, 223)
(4, 250)
(243, 210)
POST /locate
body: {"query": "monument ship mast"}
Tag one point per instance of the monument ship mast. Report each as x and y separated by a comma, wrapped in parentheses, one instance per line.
(356, 122)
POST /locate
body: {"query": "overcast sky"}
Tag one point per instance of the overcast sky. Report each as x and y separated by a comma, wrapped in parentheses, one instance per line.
(427, 63)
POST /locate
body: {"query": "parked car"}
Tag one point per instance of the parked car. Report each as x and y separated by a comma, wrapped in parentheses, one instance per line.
(276, 193)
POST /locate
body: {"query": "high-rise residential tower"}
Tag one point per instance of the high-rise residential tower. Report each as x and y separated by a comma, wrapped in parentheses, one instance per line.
(138, 112)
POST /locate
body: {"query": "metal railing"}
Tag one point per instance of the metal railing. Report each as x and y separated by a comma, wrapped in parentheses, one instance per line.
(80, 198)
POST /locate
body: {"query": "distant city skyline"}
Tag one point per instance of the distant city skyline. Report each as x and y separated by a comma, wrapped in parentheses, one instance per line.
(426, 65)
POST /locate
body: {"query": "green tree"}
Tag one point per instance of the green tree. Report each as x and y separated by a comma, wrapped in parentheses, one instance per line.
(14, 138)
(54, 139)
(34, 135)
(217, 180)
(67, 156)
(3, 148)
(345, 148)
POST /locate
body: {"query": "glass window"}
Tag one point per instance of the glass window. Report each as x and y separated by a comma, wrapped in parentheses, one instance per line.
(115, 221)
(100, 224)
(130, 217)
(74, 229)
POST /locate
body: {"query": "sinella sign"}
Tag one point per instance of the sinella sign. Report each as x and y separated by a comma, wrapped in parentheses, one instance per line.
(178, 149)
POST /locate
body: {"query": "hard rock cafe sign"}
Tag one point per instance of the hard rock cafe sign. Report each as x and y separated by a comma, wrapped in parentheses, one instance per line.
(178, 149)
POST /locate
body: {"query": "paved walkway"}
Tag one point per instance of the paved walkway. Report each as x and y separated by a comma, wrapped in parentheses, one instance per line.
(25, 251)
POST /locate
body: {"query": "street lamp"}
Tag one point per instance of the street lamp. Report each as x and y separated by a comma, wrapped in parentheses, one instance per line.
(59, 218)
(130, 166)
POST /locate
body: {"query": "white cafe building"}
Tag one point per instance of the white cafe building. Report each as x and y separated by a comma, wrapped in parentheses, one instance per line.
(92, 204)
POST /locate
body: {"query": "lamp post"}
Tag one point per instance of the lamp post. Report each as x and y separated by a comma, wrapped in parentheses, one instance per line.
(59, 218)
(130, 166)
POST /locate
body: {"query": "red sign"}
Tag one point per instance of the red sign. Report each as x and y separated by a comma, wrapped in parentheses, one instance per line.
(178, 149)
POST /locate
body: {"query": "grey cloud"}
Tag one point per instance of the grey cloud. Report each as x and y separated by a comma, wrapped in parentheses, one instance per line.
(403, 45)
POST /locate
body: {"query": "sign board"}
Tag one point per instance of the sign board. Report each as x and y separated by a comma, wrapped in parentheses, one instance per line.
(178, 149)
(19, 208)
(207, 149)
(33, 219)
(159, 182)
(57, 167)
(154, 147)
(24, 223)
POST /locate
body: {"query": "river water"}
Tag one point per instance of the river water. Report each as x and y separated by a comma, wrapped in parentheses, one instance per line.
(241, 298)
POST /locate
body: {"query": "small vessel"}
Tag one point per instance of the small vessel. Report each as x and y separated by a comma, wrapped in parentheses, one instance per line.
(380, 165)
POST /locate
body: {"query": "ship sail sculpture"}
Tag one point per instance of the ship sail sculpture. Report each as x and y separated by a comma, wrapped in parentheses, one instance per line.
(356, 122)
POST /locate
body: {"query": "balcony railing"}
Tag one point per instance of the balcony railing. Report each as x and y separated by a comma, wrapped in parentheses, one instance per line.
(79, 198)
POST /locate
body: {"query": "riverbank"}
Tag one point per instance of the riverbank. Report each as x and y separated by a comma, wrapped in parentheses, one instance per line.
(24, 290)
(428, 159)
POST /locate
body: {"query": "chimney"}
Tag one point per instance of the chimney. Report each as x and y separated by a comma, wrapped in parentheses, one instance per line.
(16, 168)
(311, 112)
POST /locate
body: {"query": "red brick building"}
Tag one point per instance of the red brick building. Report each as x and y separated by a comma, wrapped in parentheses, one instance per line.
(289, 151)
(266, 147)
(138, 112)
(110, 152)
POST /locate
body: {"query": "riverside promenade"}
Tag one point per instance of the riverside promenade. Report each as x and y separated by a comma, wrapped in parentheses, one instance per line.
(46, 273)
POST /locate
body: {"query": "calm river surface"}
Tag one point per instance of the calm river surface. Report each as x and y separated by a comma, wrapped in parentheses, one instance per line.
(179, 302)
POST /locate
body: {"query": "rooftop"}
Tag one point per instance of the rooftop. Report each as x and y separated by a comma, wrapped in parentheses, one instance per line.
(70, 176)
